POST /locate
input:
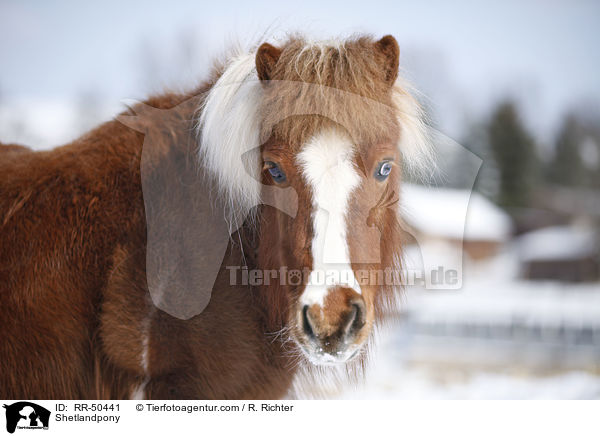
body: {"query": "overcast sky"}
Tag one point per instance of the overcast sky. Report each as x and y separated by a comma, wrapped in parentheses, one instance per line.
(464, 55)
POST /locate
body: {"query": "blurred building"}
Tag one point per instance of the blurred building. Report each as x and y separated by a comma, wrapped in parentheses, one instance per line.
(455, 217)
(563, 253)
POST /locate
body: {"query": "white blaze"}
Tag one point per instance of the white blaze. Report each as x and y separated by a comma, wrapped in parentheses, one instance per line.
(327, 164)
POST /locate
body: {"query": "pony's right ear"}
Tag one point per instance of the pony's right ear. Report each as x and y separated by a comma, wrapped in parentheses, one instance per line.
(266, 59)
(388, 47)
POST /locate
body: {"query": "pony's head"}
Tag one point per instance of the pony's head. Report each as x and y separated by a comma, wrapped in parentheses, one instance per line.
(330, 123)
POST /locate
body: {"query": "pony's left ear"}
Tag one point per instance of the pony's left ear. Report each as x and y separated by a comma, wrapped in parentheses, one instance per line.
(266, 59)
(388, 47)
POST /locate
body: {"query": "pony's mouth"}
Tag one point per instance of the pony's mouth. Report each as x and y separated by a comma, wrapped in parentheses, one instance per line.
(326, 359)
(320, 357)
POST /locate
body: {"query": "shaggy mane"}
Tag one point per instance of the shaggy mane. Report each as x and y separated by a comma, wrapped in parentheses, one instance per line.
(338, 81)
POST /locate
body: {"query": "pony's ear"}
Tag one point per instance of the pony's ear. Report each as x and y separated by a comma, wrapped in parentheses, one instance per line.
(266, 58)
(388, 47)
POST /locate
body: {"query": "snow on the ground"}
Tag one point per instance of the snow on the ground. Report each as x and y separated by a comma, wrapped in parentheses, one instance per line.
(414, 384)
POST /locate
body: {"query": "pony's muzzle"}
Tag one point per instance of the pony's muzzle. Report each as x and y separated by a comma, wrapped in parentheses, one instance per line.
(334, 332)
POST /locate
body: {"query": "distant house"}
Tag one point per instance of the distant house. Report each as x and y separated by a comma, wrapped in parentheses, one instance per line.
(565, 253)
(454, 216)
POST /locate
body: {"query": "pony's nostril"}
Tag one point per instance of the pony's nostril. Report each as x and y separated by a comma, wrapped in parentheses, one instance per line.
(306, 326)
(356, 320)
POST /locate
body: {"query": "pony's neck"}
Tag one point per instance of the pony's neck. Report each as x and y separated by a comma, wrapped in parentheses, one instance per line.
(175, 114)
(249, 249)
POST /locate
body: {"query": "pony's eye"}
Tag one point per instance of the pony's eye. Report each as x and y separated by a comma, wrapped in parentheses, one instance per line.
(383, 170)
(276, 173)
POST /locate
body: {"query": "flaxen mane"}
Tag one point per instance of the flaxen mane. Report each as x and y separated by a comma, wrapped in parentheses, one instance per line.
(310, 77)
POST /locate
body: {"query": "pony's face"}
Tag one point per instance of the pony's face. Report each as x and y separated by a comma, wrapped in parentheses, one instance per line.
(331, 122)
(342, 238)
(338, 152)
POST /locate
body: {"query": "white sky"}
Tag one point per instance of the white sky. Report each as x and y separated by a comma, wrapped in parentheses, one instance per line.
(463, 55)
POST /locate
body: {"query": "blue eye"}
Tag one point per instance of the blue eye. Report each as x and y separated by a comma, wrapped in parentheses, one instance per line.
(383, 170)
(276, 173)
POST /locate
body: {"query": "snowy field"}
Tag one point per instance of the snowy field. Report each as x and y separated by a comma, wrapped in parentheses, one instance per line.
(390, 380)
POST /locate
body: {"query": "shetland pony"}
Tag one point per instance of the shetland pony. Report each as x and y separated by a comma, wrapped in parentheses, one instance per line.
(293, 152)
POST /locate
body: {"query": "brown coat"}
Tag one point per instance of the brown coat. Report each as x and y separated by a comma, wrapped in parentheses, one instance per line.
(73, 296)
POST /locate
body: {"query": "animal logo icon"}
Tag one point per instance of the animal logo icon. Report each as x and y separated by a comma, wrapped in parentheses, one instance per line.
(25, 414)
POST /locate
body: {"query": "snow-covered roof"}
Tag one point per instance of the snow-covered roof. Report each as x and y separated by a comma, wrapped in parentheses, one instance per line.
(557, 243)
(454, 213)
